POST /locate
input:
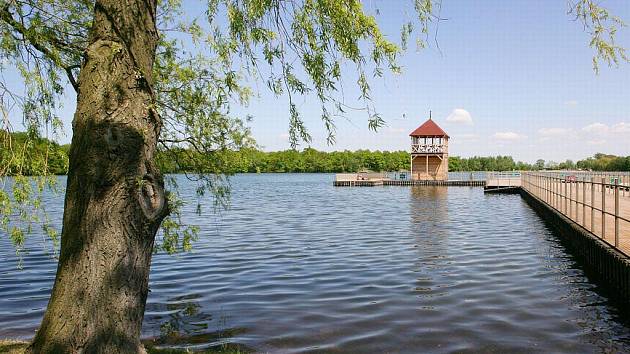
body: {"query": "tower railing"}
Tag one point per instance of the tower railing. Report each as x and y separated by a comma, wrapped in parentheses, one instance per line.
(429, 148)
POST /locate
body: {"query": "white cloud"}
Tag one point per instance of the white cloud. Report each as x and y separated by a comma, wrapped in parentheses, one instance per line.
(508, 136)
(621, 128)
(596, 128)
(395, 130)
(599, 129)
(597, 142)
(460, 116)
(553, 132)
(467, 136)
(571, 103)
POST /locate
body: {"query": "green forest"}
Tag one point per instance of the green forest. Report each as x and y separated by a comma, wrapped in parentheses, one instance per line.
(33, 155)
(27, 154)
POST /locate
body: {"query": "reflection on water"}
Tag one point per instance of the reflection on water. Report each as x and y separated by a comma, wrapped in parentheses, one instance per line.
(181, 318)
(297, 266)
(184, 325)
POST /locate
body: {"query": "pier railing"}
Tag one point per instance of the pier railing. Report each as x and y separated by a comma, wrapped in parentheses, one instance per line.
(467, 175)
(361, 176)
(507, 179)
(346, 177)
(599, 202)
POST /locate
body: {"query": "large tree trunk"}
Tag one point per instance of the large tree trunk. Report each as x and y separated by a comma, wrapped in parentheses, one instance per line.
(115, 197)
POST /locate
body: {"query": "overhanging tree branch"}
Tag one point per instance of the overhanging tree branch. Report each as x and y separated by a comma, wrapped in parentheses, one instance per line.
(31, 36)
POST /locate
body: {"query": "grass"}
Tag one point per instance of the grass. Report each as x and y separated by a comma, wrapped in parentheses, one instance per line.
(11, 346)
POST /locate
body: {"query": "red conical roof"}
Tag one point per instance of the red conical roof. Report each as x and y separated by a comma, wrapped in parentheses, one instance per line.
(429, 128)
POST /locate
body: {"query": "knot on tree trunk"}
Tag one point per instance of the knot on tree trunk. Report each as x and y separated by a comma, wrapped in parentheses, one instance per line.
(152, 197)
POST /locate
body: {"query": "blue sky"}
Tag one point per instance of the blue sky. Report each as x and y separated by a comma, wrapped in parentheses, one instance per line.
(515, 78)
(521, 69)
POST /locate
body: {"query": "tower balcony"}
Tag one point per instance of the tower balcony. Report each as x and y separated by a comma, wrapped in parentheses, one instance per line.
(429, 148)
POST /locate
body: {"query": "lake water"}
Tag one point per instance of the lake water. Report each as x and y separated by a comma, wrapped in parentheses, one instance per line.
(297, 265)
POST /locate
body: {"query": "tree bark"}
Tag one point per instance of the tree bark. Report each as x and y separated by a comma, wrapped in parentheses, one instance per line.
(115, 197)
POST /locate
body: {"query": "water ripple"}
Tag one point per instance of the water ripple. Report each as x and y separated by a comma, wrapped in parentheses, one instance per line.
(299, 266)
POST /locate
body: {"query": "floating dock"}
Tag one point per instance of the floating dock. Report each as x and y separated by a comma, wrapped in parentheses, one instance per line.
(386, 182)
(358, 183)
(503, 183)
(502, 190)
(373, 179)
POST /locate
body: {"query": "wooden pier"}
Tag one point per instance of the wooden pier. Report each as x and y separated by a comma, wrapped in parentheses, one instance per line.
(598, 203)
(591, 212)
(471, 183)
(378, 179)
(373, 183)
(358, 183)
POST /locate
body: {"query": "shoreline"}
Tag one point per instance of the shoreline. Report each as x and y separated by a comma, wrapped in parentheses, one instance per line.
(18, 346)
(12, 346)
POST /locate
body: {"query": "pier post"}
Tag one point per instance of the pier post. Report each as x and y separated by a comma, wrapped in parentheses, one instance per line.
(565, 196)
(577, 200)
(550, 186)
(584, 202)
(546, 184)
(546, 187)
(617, 212)
(543, 187)
(427, 166)
(561, 194)
(570, 196)
(557, 192)
(558, 199)
(592, 205)
(603, 208)
(549, 189)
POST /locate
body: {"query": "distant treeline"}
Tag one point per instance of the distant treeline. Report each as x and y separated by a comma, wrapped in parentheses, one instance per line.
(20, 153)
(307, 160)
(29, 155)
(311, 160)
(492, 163)
(603, 162)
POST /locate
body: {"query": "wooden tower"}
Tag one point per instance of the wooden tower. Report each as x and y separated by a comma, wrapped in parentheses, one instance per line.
(429, 152)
